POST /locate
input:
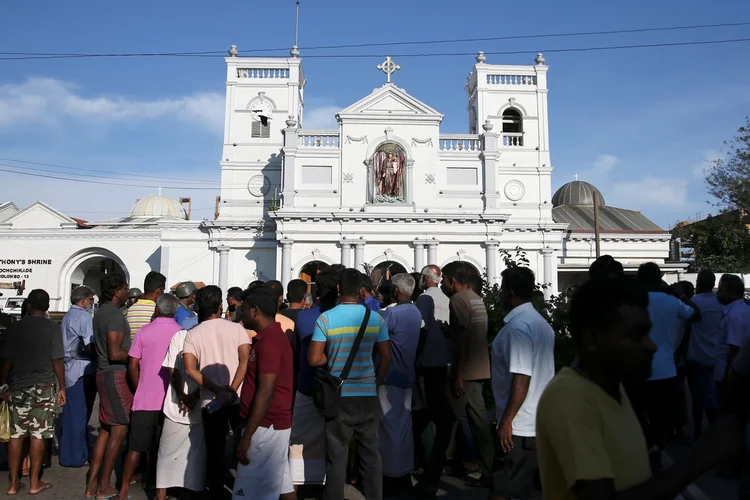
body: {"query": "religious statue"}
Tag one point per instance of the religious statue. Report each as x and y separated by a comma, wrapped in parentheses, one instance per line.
(389, 174)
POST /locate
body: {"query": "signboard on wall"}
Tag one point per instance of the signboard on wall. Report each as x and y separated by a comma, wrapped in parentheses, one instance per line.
(15, 273)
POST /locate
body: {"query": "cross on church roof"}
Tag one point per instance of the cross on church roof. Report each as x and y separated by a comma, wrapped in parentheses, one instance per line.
(577, 177)
(388, 67)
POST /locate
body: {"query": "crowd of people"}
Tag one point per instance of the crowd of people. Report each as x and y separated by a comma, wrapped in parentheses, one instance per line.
(345, 381)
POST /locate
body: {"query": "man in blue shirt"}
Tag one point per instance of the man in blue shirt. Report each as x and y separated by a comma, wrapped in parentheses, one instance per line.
(307, 445)
(366, 294)
(665, 311)
(185, 291)
(359, 415)
(403, 322)
(80, 378)
(701, 354)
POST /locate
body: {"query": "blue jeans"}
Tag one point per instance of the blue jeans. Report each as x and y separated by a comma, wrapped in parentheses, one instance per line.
(74, 440)
(467, 440)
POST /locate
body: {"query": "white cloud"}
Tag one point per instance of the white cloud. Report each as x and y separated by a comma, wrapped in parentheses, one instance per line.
(49, 101)
(604, 163)
(648, 192)
(709, 156)
(321, 118)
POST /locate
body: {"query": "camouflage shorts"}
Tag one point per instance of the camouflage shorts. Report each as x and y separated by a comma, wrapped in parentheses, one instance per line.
(32, 412)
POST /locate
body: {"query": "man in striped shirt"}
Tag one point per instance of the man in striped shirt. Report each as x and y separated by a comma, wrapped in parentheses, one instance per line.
(142, 312)
(359, 416)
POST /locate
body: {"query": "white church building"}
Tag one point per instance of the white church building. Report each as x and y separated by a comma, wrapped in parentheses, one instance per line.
(388, 188)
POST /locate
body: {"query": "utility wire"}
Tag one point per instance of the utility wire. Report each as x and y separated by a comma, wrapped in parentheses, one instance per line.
(520, 52)
(105, 173)
(512, 37)
(52, 55)
(90, 181)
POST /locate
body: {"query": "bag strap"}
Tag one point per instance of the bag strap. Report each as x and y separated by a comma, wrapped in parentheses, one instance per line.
(355, 346)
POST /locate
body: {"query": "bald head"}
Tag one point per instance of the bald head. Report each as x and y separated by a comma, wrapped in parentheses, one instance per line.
(430, 276)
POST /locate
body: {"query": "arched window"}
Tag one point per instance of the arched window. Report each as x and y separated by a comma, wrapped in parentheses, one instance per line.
(512, 122)
(512, 128)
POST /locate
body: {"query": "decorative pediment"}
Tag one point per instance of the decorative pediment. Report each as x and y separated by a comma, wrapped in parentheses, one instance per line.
(39, 215)
(390, 101)
(7, 210)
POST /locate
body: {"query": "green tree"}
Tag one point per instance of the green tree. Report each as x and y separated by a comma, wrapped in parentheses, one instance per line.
(728, 179)
(720, 243)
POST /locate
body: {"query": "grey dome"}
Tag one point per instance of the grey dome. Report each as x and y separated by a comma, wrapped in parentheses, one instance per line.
(578, 193)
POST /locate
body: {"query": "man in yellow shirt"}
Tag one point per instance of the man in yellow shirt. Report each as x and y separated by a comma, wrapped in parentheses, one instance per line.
(142, 312)
(589, 442)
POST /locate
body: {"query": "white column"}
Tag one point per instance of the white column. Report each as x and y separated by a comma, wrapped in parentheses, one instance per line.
(547, 256)
(223, 268)
(418, 256)
(490, 248)
(359, 255)
(432, 254)
(286, 262)
(346, 253)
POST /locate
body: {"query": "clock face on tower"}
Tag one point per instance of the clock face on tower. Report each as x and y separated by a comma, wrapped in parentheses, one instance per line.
(261, 109)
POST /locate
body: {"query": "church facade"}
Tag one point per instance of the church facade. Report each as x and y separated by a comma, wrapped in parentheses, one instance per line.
(388, 189)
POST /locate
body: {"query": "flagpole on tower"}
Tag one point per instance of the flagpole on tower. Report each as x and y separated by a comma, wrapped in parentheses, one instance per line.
(296, 27)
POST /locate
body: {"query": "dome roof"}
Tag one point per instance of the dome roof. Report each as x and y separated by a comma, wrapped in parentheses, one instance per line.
(158, 205)
(576, 193)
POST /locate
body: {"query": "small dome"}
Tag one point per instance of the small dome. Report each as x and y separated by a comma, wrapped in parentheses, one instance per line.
(158, 205)
(576, 193)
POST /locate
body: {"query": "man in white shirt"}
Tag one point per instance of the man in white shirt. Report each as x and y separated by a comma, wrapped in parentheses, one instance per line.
(523, 363)
(434, 350)
(182, 448)
(701, 355)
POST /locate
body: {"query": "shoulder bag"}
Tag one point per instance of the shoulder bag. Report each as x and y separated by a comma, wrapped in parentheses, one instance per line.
(327, 387)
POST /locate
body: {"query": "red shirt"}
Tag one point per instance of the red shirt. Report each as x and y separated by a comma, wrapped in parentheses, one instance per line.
(271, 353)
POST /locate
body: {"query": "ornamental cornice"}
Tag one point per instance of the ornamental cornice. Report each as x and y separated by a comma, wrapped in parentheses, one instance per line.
(385, 218)
(88, 235)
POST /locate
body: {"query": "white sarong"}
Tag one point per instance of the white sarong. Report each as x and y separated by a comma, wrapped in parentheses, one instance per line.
(307, 447)
(396, 439)
(182, 456)
(263, 477)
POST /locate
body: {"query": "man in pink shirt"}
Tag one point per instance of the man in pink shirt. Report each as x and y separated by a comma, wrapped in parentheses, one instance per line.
(215, 355)
(150, 380)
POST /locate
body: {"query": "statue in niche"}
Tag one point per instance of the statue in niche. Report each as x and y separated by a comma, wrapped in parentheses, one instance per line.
(390, 184)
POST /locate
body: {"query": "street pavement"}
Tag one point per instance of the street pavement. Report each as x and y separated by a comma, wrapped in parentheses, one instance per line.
(69, 484)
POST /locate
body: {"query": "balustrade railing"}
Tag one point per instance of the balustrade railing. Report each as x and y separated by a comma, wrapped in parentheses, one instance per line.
(318, 139)
(468, 143)
(512, 139)
(511, 79)
(277, 73)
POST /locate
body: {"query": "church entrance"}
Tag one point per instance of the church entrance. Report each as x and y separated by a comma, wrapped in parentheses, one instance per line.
(385, 271)
(89, 272)
(309, 271)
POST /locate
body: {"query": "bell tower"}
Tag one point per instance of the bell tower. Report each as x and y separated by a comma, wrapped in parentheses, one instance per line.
(513, 99)
(261, 94)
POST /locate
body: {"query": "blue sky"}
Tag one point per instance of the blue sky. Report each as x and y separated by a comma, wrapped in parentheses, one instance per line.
(639, 124)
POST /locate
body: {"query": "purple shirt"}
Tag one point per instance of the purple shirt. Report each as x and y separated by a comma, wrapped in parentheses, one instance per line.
(734, 332)
(150, 346)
